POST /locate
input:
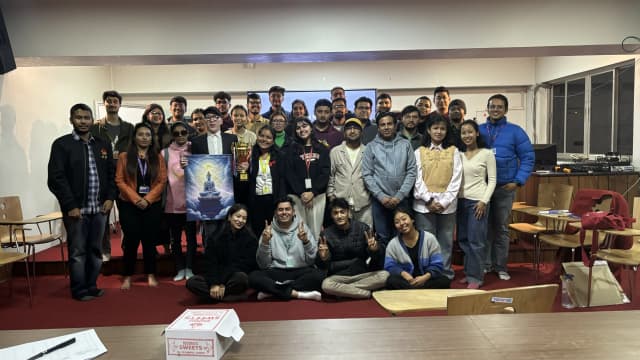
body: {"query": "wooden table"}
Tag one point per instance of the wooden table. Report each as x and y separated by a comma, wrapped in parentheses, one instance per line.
(583, 335)
(399, 301)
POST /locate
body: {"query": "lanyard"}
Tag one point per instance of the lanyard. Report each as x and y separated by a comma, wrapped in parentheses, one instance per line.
(307, 159)
(142, 165)
(493, 137)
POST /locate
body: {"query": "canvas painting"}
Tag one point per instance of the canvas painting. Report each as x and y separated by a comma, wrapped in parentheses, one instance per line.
(208, 187)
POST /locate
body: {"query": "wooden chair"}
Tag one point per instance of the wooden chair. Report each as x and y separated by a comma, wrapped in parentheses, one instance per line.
(550, 195)
(629, 258)
(7, 259)
(526, 299)
(16, 231)
(570, 237)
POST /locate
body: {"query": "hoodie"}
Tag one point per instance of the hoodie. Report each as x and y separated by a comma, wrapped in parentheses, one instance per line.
(286, 250)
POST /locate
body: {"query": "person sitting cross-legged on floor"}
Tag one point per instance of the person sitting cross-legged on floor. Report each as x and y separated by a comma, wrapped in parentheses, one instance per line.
(286, 255)
(229, 256)
(343, 251)
(413, 258)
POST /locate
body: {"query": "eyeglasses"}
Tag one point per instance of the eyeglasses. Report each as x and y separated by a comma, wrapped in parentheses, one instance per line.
(496, 107)
(155, 113)
(212, 117)
(180, 133)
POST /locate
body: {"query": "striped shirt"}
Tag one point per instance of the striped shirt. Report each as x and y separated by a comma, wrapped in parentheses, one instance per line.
(91, 203)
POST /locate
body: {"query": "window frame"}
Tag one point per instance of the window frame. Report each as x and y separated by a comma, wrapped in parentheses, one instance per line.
(614, 69)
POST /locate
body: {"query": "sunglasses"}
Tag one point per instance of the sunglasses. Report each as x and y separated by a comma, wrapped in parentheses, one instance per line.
(180, 133)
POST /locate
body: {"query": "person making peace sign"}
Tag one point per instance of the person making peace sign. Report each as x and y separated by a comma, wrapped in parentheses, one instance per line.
(286, 254)
(343, 251)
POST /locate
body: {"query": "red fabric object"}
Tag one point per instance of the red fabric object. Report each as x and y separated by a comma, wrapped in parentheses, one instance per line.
(602, 220)
(617, 217)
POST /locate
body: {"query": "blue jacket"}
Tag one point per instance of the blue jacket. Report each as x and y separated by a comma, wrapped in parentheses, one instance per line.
(397, 257)
(513, 150)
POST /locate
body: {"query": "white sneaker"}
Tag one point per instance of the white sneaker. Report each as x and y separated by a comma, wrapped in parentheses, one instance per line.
(106, 257)
(188, 274)
(179, 276)
(503, 275)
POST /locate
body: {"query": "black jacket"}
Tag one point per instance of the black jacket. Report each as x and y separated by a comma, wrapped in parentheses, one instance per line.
(296, 169)
(69, 171)
(227, 253)
(277, 167)
(124, 137)
(349, 251)
(199, 144)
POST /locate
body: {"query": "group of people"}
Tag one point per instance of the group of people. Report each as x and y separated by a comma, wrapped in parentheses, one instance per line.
(344, 204)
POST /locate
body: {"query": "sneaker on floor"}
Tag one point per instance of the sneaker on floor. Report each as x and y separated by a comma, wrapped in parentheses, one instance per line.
(473, 286)
(179, 276)
(106, 257)
(503, 275)
(96, 292)
(188, 274)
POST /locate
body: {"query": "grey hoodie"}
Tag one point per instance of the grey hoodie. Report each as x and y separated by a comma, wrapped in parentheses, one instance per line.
(286, 250)
(389, 167)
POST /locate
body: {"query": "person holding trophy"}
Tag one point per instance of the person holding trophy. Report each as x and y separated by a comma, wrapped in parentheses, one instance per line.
(266, 178)
(241, 151)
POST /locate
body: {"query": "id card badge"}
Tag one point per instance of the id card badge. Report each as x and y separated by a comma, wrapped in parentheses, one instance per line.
(307, 183)
(143, 189)
(289, 261)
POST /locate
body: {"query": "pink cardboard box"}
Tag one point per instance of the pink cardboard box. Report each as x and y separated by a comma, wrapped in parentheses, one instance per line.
(202, 334)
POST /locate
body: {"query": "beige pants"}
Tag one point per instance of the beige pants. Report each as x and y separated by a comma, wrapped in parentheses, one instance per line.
(312, 216)
(357, 286)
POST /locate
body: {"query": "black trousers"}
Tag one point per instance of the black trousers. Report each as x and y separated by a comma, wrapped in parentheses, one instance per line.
(177, 223)
(139, 226)
(237, 284)
(397, 282)
(261, 211)
(281, 282)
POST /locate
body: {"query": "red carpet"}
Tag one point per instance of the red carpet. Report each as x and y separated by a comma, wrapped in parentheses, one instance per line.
(54, 308)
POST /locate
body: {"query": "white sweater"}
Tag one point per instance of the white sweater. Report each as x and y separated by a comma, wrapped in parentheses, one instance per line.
(476, 171)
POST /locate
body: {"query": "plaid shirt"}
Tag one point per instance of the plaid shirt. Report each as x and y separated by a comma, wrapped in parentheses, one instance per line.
(92, 202)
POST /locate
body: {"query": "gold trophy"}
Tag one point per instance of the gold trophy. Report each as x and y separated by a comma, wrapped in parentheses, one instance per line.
(241, 154)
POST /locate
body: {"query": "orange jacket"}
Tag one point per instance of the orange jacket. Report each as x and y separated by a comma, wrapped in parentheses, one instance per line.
(129, 188)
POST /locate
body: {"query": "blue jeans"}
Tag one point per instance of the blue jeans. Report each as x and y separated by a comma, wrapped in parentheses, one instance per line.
(497, 252)
(84, 242)
(472, 238)
(383, 220)
(441, 226)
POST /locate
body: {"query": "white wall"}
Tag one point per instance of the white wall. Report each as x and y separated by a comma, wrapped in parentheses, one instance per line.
(555, 67)
(34, 110)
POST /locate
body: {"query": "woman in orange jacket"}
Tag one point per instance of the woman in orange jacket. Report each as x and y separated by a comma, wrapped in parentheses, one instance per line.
(141, 176)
